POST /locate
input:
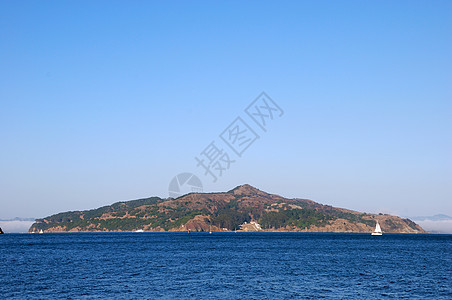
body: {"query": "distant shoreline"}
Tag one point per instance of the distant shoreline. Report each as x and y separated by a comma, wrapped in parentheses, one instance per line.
(224, 232)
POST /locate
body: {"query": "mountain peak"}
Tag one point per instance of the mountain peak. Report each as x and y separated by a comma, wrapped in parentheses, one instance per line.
(246, 190)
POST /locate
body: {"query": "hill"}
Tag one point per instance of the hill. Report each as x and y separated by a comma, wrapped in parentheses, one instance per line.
(243, 208)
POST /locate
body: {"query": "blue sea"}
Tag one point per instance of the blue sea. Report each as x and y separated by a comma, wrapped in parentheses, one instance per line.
(225, 265)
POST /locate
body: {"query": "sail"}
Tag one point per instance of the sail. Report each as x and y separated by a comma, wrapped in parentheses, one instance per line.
(377, 228)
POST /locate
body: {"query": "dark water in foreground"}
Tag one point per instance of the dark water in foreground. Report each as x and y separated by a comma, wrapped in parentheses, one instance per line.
(225, 265)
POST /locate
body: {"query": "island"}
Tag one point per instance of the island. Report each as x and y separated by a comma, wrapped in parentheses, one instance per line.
(244, 208)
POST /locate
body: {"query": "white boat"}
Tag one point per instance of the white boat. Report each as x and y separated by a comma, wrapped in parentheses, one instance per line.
(40, 231)
(377, 230)
(139, 230)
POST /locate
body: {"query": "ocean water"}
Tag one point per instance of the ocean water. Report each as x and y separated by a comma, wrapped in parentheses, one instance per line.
(225, 265)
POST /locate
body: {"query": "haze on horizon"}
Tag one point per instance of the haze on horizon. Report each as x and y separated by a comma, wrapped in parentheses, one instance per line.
(102, 102)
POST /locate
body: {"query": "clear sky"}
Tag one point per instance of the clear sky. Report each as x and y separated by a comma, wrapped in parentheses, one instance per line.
(103, 101)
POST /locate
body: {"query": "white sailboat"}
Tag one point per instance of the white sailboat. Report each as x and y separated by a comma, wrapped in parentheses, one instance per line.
(377, 230)
(40, 231)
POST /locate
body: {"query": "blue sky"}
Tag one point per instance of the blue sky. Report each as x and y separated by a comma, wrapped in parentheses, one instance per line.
(103, 101)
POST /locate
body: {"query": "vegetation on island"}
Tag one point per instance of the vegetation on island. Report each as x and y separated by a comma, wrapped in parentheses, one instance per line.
(221, 211)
